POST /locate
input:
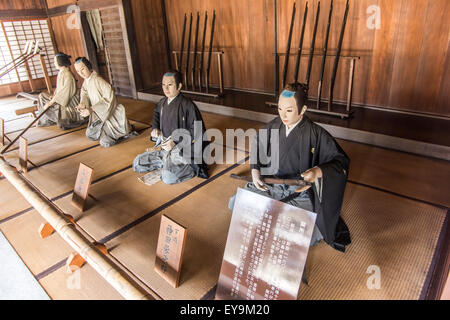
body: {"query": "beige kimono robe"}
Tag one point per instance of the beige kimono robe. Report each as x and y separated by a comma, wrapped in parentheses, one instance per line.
(108, 121)
(66, 98)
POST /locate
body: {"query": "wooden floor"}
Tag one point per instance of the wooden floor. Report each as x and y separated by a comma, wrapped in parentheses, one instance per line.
(395, 205)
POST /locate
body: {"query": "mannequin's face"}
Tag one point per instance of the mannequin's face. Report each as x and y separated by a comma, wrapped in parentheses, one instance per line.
(169, 87)
(55, 61)
(288, 110)
(82, 70)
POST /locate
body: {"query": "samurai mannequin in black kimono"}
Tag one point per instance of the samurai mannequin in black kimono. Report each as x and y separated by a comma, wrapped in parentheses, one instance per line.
(295, 146)
(179, 128)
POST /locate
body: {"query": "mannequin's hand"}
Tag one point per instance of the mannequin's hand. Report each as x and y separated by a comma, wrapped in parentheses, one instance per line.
(168, 145)
(85, 112)
(257, 181)
(81, 107)
(155, 133)
(311, 176)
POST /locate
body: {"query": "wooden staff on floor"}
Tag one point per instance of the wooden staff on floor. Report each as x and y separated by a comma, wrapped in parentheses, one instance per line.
(208, 68)
(180, 63)
(313, 43)
(338, 55)
(324, 58)
(202, 55)
(300, 46)
(188, 53)
(24, 131)
(288, 47)
(126, 286)
(194, 63)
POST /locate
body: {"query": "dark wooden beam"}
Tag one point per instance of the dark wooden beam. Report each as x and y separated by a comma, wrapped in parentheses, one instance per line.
(22, 14)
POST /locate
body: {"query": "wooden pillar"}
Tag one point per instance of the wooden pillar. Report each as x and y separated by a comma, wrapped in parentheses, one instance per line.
(129, 40)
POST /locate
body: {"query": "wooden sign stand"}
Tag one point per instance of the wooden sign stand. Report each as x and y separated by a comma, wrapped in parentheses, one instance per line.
(82, 185)
(23, 154)
(170, 250)
(46, 229)
(75, 261)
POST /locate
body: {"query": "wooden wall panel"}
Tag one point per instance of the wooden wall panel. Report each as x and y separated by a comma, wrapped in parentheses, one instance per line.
(402, 64)
(21, 4)
(58, 3)
(68, 40)
(149, 32)
(432, 56)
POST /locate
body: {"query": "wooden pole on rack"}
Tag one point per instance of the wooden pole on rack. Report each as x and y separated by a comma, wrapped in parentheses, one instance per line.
(47, 78)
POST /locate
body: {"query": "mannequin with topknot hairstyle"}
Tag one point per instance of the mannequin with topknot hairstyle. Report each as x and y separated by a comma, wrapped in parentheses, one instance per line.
(293, 147)
(108, 122)
(60, 109)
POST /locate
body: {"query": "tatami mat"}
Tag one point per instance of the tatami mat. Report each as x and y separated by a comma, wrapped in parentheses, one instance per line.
(206, 216)
(391, 233)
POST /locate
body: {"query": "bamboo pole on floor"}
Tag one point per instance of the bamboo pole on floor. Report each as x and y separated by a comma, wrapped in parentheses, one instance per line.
(106, 268)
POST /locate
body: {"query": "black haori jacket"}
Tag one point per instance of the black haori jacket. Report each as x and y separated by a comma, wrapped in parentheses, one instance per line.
(306, 147)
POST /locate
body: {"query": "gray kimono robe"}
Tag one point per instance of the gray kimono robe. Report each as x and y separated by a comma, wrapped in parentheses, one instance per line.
(108, 121)
(66, 99)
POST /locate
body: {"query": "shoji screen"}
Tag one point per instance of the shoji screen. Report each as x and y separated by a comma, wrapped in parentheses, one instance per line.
(17, 33)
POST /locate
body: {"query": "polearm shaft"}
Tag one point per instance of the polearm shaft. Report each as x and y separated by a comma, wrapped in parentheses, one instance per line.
(208, 68)
(338, 55)
(313, 43)
(324, 58)
(188, 53)
(288, 47)
(166, 33)
(9, 64)
(24, 130)
(194, 64)
(202, 55)
(180, 62)
(289, 182)
(277, 80)
(300, 46)
(18, 64)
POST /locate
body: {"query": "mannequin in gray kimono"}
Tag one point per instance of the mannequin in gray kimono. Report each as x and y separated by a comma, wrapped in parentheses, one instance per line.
(108, 122)
(63, 103)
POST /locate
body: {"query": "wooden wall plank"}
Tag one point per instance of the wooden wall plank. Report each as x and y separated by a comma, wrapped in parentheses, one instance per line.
(403, 65)
(149, 32)
(407, 53)
(68, 41)
(432, 56)
(21, 5)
